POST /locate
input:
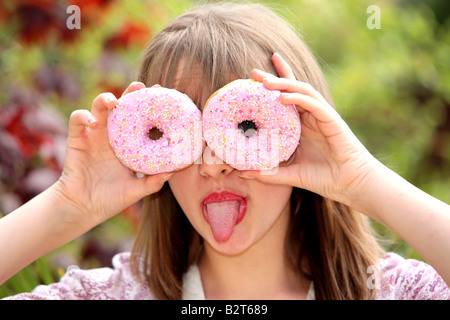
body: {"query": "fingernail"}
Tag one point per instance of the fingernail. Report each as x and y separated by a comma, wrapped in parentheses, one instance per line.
(246, 177)
(92, 120)
(277, 54)
(167, 177)
(138, 85)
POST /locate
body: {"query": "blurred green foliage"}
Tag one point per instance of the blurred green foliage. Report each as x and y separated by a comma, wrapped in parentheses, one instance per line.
(391, 85)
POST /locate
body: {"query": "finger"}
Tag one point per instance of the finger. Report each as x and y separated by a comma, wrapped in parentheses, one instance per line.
(150, 184)
(260, 75)
(281, 175)
(320, 111)
(293, 86)
(135, 85)
(282, 67)
(101, 106)
(79, 120)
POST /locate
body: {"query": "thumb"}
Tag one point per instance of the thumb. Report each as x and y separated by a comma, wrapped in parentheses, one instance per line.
(150, 184)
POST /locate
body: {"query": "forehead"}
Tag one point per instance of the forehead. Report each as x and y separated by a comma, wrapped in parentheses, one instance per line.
(191, 80)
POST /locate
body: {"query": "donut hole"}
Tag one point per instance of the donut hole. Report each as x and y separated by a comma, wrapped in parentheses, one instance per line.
(155, 134)
(248, 128)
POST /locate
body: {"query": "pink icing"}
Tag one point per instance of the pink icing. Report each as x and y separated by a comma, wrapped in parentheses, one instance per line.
(278, 126)
(171, 112)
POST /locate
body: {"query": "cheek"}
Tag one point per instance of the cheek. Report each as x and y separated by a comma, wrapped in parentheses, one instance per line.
(273, 197)
(176, 182)
(184, 187)
(269, 203)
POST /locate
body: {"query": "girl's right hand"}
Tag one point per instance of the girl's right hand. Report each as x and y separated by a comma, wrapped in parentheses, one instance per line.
(94, 183)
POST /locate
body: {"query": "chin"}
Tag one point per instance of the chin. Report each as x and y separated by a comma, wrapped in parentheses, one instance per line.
(238, 243)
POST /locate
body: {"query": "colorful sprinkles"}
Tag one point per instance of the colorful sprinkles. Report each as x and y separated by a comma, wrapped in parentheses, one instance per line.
(278, 126)
(173, 113)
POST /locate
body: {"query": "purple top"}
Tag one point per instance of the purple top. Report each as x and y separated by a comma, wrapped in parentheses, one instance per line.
(400, 279)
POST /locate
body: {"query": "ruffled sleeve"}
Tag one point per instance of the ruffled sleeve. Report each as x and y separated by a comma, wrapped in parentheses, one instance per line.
(409, 279)
(95, 284)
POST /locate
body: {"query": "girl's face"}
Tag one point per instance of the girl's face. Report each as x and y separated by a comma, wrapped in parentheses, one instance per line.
(239, 212)
(230, 213)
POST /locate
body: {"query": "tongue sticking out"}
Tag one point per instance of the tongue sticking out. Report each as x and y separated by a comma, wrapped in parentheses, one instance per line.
(222, 217)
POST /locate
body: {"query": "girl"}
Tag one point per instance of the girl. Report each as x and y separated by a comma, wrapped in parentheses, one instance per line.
(305, 233)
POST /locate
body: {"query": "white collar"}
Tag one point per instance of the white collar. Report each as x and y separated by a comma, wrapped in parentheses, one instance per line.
(193, 288)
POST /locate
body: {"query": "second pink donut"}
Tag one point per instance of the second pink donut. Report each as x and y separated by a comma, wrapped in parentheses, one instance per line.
(248, 127)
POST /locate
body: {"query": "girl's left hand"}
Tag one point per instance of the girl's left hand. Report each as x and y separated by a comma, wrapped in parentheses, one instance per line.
(329, 160)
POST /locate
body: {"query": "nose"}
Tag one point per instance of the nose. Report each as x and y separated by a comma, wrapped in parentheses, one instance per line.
(212, 166)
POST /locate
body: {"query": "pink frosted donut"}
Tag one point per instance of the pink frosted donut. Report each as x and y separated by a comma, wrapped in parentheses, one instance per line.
(132, 125)
(248, 127)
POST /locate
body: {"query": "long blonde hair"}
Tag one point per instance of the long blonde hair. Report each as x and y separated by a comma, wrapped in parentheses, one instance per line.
(327, 241)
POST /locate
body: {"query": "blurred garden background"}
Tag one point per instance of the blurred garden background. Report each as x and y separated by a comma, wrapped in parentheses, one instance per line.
(392, 86)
